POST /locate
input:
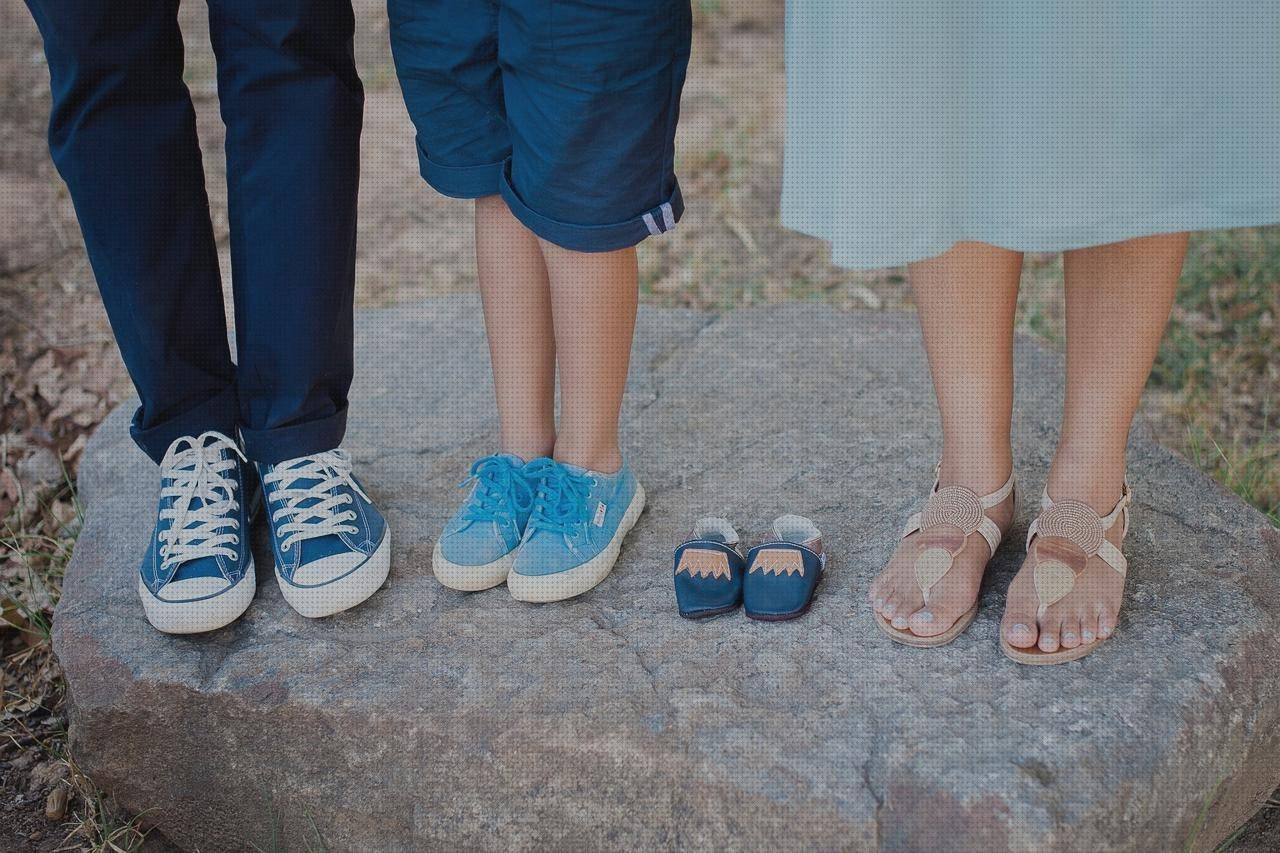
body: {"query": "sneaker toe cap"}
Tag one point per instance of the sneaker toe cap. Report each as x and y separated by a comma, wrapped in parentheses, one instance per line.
(193, 589)
(327, 569)
(545, 556)
(471, 549)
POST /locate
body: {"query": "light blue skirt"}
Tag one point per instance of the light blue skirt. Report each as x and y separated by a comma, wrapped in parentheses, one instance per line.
(1036, 126)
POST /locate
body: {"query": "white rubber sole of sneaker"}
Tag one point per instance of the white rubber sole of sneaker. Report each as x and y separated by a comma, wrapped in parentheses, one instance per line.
(316, 602)
(471, 578)
(540, 589)
(204, 614)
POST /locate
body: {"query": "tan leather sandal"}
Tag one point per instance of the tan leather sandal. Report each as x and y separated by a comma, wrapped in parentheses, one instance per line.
(951, 515)
(1061, 542)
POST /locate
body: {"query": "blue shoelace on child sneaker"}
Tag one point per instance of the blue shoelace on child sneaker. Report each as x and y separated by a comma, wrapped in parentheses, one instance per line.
(502, 491)
(561, 501)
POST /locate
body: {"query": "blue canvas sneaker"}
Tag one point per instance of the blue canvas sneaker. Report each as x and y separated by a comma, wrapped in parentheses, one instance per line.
(708, 570)
(575, 530)
(197, 574)
(783, 574)
(478, 545)
(332, 546)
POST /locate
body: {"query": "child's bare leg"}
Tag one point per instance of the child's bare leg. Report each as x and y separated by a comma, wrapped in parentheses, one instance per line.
(966, 299)
(594, 298)
(1118, 302)
(517, 315)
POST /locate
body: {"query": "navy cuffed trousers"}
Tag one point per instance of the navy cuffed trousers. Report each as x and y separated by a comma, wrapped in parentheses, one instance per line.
(123, 137)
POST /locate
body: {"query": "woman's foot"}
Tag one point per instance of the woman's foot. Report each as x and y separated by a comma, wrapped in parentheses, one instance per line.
(948, 529)
(1075, 601)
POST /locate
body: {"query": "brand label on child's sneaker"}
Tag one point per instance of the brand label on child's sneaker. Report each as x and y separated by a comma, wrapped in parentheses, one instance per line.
(600, 509)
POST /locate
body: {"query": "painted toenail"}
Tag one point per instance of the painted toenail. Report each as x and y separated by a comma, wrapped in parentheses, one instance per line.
(1068, 638)
(925, 616)
(1088, 636)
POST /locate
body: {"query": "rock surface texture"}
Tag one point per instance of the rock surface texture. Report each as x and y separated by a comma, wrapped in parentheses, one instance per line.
(428, 719)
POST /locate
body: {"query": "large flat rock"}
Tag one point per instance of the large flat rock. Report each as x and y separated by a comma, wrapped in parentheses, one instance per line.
(432, 719)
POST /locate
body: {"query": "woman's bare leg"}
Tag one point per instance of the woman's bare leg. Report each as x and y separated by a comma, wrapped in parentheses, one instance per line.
(594, 299)
(966, 299)
(517, 315)
(1118, 302)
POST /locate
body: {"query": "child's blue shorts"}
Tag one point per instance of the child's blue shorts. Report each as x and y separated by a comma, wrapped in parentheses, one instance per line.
(567, 108)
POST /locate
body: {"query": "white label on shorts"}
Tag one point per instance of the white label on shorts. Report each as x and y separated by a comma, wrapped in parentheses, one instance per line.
(600, 509)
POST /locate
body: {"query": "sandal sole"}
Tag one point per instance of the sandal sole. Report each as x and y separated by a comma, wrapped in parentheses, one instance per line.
(1039, 658)
(916, 641)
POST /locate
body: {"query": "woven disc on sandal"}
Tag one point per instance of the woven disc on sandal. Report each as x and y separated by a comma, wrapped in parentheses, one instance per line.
(1075, 522)
(953, 505)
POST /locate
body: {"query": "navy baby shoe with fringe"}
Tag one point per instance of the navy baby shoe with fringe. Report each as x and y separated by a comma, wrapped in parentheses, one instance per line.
(783, 574)
(709, 570)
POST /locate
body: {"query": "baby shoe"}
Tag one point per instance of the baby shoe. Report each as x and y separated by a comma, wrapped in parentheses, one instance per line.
(708, 570)
(782, 574)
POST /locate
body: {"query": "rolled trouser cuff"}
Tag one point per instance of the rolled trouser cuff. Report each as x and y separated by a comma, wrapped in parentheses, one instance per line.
(218, 413)
(272, 446)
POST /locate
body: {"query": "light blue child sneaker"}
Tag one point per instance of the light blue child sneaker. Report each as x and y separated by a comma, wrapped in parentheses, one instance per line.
(332, 546)
(478, 546)
(575, 530)
(197, 574)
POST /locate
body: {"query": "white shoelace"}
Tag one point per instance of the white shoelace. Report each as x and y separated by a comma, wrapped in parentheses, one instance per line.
(196, 469)
(322, 518)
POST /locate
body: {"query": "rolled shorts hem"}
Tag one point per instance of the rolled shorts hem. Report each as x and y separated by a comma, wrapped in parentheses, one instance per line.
(460, 181)
(217, 413)
(594, 238)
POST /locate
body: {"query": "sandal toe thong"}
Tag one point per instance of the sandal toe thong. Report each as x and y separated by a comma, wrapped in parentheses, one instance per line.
(950, 516)
(1061, 542)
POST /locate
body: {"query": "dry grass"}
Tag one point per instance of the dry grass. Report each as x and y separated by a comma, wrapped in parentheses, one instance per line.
(52, 805)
